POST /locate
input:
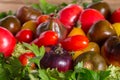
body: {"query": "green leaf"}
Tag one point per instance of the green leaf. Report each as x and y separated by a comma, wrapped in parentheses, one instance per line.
(81, 73)
(47, 8)
(55, 74)
(35, 49)
(36, 6)
(14, 68)
(85, 4)
(43, 75)
(32, 47)
(32, 77)
(78, 66)
(41, 51)
(3, 14)
(86, 74)
(70, 75)
(3, 74)
(36, 60)
(96, 1)
(104, 74)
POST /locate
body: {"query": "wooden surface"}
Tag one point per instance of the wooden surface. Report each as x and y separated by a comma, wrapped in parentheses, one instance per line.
(13, 5)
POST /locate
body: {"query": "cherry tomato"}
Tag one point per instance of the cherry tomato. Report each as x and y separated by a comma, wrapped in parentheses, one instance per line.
(24, 58)
(74, 43)
(25, 35)
(32, 25)
(47, 38)
(42, 18)
(7, 42)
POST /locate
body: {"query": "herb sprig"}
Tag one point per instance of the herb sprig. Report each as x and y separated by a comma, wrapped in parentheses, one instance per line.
(11, 69)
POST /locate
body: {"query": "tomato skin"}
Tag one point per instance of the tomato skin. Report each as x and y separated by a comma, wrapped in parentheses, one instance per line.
(74, 43)
(24, 58)
(57, 58)
(69, 15)
(7, 42)
(31, 24)
(42, 18)
(47, 38)
(76, 31)
(25, 35)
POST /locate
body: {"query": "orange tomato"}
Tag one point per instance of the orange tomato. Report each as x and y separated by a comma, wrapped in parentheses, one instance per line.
(76, 31)
(116, 26)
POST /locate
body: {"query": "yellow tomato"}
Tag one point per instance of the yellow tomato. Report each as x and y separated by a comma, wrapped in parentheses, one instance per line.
(92, 46)
(117, 28)
(30, 25)
(76, 31)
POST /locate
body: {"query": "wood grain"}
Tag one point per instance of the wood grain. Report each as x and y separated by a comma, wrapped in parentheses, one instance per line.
(6, 5)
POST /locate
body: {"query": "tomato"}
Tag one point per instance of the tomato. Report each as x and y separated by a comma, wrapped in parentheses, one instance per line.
(92, 46)
(11, 23)
(116, 26)
(57, 58)
(32, 25)
(74, 43)
(7, 42)
(25, 35)
(42, 18)
(47, 38)
(76, 31)
(69, 15)
(24, 58)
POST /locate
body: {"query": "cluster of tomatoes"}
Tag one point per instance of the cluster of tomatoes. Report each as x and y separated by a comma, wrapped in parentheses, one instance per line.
(61, 34)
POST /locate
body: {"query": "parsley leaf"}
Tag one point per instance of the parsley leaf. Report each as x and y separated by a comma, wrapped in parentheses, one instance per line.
(46, 7)
(4, 14)
(81, 73)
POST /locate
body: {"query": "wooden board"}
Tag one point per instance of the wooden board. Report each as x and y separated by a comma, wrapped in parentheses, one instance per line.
(13, 5)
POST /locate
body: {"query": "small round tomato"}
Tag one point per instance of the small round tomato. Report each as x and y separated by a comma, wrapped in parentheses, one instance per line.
(42, 18)
(25, 35)
(47, 38)
(24, 58)
(7, 42)
(32, 25)
(74, 43)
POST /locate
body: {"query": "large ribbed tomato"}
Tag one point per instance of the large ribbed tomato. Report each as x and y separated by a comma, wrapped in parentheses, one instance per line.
(7, 42)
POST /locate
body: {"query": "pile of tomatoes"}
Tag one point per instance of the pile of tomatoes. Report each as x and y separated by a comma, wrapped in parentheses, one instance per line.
(65, 36)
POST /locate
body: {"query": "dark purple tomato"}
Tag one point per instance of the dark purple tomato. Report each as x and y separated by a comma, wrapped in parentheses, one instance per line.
(59, 59)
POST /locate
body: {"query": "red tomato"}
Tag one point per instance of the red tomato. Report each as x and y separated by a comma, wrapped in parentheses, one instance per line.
(74, 43)
(25, 35)
(47, 38)
(69, 15)
(42, 18)
(24, 58)
(7, 42)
